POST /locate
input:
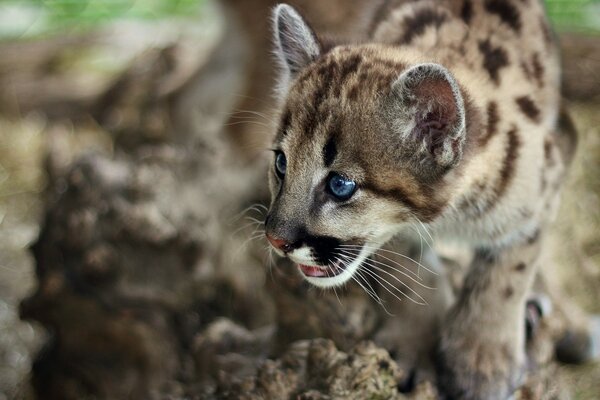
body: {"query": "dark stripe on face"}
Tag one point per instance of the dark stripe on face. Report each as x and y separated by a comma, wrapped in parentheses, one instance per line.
(425, 212)
(466, 13)
(329, 152)
(528, 108)
(416, 24)
(494, 58)
(507, 12)
(325, 75)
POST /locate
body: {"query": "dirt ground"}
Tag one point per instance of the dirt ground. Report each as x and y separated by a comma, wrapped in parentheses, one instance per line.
(23, 143)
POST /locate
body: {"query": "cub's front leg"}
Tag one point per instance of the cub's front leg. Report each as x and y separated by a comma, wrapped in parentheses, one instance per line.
(481, 353)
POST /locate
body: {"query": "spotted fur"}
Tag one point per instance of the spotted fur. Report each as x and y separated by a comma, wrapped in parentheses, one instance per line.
(446, 116)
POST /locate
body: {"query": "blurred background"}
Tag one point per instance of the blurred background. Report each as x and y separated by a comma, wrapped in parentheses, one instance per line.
(97, 100)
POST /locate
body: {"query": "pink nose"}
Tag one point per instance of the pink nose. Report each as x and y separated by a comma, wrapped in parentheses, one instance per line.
(279, 243)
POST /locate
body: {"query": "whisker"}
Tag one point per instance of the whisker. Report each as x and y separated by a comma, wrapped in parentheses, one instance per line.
(253, 207)
(403, 273)
(424, 302)
(334, 291)
(371, 292)
(414, 227)
(381, 281)
(250, 239)
(248, 122)
(425, 229)
(258, 114)
(254, 220)
(246, 226)
(396, 288)
(377, 249)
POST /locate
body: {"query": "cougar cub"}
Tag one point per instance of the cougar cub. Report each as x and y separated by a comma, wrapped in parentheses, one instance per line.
(445, 117)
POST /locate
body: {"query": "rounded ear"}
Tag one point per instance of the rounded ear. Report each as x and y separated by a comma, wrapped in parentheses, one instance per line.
(429, 114)
(296, 44)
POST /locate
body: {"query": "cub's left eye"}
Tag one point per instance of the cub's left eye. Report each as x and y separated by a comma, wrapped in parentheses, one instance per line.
(280, 165)
(340, 187)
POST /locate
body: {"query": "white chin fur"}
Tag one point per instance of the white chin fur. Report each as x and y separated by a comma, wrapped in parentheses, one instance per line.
(338, 280)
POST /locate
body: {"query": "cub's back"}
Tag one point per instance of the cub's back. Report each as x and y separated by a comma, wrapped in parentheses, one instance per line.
(503, 50)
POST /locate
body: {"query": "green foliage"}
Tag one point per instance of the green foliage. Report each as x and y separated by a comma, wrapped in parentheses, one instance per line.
(574, 14)
(82, 14)
(67, 14)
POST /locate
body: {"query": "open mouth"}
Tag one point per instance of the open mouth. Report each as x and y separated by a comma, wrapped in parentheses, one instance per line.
(315, 271)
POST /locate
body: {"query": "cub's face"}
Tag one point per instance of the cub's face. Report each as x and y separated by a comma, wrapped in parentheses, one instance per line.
(362, 149)
(327, 211)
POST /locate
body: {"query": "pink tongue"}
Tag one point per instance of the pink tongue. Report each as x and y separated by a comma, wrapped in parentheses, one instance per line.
(312, 271)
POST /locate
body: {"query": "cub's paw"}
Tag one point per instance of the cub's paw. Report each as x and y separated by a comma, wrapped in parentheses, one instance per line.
(469, 369)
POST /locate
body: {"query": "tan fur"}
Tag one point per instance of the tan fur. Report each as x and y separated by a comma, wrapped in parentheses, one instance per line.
(492, 183)
(247, 23)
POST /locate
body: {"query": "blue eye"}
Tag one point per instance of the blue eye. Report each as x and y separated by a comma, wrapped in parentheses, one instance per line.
(280, 165)
(342, 188)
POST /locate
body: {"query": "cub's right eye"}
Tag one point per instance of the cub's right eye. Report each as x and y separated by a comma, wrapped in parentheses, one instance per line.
(280, 165)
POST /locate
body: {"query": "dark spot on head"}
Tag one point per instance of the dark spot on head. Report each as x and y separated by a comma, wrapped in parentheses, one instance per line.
(528, 108)
(538, 69)
(494, 58)
(520, 267)
(506, 11)
(349, 66)
(492, 122)
(508, 292)
(353, 92)
(466, 13)
(329, 152)
(326, 74)
(415, 25)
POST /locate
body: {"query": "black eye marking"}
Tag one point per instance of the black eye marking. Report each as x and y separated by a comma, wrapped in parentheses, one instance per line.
(329, 152)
